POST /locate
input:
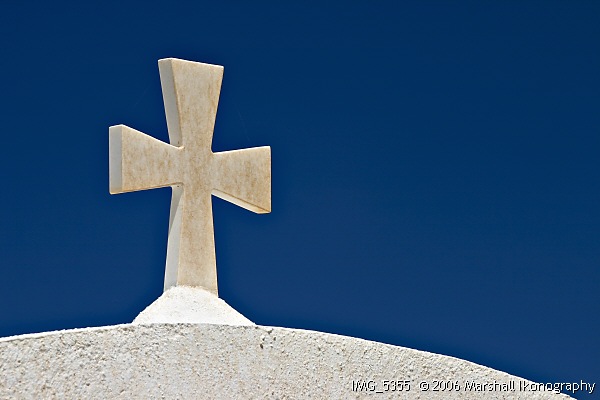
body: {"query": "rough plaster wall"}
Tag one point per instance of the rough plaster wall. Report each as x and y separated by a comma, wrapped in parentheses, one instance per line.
(204, 361)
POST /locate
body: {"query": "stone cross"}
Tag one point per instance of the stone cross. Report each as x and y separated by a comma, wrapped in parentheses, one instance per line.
(138, 161)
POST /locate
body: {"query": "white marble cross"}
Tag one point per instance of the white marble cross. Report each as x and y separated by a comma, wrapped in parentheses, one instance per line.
(138, 161)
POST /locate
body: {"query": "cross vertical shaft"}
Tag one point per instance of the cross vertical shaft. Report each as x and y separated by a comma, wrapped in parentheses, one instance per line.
(138, 161)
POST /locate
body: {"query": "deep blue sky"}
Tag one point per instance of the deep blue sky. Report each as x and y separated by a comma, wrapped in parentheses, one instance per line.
(436, 177)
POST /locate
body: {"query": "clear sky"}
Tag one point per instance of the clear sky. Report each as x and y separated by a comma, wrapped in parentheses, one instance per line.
(436, 179)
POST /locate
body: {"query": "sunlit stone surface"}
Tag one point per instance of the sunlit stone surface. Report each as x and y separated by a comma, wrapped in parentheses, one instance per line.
(138, 161)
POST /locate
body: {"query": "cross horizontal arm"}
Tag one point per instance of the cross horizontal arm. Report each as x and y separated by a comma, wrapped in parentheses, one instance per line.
(243, 177)
(138, 161)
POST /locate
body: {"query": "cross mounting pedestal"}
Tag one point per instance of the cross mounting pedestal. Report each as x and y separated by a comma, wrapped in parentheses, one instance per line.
(138, 161)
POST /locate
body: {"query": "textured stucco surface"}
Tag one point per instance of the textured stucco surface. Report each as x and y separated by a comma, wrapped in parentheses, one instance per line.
(207, 361)
(183, 304)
